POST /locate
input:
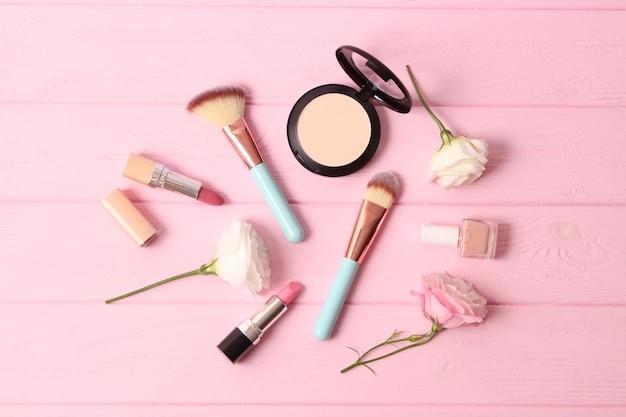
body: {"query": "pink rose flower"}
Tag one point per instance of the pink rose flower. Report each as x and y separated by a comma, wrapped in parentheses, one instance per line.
(449, 301)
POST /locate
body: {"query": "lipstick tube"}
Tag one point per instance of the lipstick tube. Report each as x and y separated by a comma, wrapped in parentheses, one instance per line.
(155, 174)
(249, 333)
(164, 178)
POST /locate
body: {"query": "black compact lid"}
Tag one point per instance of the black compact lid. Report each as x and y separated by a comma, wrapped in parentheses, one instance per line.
(374, 78)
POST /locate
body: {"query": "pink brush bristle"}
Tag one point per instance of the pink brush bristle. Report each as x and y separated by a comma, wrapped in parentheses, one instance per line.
(215, 94)
(220, 106)
(382, 189)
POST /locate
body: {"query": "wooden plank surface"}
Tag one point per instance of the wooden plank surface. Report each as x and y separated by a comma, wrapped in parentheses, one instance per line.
(507, 57)
(536, 155)
(83, 84)
(116, 350)
(546, 255)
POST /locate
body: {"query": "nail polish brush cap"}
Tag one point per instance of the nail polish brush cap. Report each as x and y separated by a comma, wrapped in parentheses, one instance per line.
(434, 234)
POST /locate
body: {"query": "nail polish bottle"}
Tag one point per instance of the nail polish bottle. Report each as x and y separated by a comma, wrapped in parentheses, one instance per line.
(474, 238)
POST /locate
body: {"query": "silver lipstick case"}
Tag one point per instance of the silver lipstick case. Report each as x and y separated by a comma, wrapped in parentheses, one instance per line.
(253, 327)
(247, 334)
(163, 177)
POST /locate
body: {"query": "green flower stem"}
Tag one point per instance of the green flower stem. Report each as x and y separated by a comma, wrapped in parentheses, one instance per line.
(446, 135)
(205, 269)
(415, 340)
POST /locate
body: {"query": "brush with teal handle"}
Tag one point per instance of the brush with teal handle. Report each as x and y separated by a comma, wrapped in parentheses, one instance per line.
(224, 107)
(335, 298)
(380, 193)
(277, 203)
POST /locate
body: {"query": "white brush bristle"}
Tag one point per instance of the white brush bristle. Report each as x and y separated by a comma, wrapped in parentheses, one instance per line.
(220, 106)
(382, 189)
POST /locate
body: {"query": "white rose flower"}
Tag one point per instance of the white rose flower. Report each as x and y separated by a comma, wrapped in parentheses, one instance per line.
(241, 258)
(460, 160)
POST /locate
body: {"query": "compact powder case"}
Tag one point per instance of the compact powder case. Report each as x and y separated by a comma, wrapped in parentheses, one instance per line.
(334, 130)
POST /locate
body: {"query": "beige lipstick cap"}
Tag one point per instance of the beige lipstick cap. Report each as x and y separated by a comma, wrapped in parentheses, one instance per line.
(129, 217)
(139, 169)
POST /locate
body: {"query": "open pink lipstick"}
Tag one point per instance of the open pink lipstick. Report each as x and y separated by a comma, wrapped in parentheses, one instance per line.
(154, 174)
(249, 333)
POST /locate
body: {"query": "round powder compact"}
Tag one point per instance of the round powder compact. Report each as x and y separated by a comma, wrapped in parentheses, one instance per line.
(334, 130)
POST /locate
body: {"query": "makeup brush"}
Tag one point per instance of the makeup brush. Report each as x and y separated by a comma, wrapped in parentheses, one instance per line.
(380, 193)
(224, 107)
(155, 174)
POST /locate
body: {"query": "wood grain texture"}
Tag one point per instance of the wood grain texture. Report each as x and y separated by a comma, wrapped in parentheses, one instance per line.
(398, 4)
(115, 352)
(545, 255)
(82, 84)
(554, 148)
(102, 410)
(506, 57)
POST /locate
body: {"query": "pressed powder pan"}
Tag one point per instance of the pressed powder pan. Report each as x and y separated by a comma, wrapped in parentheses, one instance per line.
(334, 130)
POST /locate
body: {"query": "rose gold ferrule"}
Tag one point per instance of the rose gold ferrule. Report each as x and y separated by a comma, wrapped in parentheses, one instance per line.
(242, 140)
(370, 217)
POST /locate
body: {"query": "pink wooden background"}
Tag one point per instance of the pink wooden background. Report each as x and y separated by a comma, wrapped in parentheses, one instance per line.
(83, 84)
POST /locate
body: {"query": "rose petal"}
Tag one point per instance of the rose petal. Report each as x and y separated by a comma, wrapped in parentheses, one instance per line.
(232, 269)
(242, 257)
(450, 301)
(462, 161)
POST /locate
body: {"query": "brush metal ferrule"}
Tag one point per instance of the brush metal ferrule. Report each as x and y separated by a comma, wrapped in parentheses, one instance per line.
(242, 140)
(253, 328)
(370, 218)
(164, 178)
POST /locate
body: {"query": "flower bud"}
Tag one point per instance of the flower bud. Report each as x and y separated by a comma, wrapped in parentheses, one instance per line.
(459, 161)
